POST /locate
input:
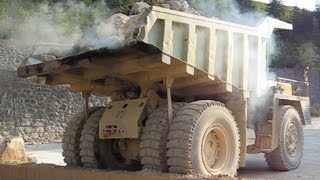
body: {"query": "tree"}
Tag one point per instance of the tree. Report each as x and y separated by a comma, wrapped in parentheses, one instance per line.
(283, 56)
(316, 32)
(276, 6)
(308, 55)
(245, 5)
(259, 7)
(278, 10)
(317, 9)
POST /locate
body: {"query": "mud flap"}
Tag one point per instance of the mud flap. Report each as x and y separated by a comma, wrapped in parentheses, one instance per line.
(121, 119)
(305, 107)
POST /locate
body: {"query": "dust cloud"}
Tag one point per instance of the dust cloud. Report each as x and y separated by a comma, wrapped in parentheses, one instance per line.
(68, 22)
(261, 93)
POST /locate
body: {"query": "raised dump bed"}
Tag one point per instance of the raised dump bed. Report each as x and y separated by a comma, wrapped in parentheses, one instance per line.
(199, 53)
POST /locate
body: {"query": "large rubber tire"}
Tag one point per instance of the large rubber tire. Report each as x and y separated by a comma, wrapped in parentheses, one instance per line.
(290, 130)
(96, 153)
(89, 141)
(71, 138)
(153, 144)
(188, 137)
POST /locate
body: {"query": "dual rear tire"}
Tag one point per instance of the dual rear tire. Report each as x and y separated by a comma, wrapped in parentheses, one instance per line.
(82, 147)
(71, 138)
(203, 138)
(153, 144)
(106, 154)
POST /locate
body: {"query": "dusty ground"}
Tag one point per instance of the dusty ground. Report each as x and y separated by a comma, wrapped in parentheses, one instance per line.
(256, 165)
(47, 153)
(53, 172)
(309, 168)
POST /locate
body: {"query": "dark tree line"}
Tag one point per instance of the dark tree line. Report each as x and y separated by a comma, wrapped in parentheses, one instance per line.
(300, 46)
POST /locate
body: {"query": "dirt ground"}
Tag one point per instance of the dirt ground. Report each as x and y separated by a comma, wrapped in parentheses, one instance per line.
(53, 172)
(256, 166)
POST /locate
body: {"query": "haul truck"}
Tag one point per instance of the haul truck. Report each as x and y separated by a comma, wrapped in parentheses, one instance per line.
(186, 98)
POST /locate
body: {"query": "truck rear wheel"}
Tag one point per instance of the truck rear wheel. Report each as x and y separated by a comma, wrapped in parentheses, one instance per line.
(96, 153)
(71, 138)
(89, 141)
(288, 154)
(154, 139)
(204, 139)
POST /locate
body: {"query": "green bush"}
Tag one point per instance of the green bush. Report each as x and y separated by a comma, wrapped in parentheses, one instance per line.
(315, 110)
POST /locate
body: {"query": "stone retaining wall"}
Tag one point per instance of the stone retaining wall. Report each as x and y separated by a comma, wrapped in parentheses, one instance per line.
(11, 57)
(38, 112)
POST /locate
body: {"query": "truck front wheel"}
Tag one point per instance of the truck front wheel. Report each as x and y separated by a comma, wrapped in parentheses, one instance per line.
(288, 154)
(204, 139)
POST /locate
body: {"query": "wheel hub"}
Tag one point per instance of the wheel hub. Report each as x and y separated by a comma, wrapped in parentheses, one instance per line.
(211, 150)
(291, 139)
(214, 147)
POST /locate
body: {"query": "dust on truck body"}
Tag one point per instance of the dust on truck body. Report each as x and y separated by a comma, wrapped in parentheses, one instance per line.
(185, 98)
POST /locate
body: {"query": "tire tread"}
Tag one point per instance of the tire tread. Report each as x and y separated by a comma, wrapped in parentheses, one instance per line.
(154, 139)
(181, 136)
(276, 159)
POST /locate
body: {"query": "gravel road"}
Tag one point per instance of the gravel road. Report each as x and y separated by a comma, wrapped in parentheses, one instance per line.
(256, 167)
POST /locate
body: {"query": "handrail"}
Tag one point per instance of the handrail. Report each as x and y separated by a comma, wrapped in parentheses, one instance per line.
(296, 86)
(290, 80)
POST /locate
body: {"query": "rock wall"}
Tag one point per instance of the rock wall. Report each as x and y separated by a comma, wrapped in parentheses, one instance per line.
(39, 113)
(11, 56)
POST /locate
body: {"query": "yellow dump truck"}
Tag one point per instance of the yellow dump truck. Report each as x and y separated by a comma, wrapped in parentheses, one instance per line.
(189, 95)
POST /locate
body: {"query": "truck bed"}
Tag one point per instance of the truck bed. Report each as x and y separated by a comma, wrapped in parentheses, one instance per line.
(205, 56)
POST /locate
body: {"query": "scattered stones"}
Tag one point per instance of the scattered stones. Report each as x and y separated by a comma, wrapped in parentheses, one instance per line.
(175, 5)
(178, 5)
(13, 151)
(165, 6)
(139, 7)
(109, 33)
